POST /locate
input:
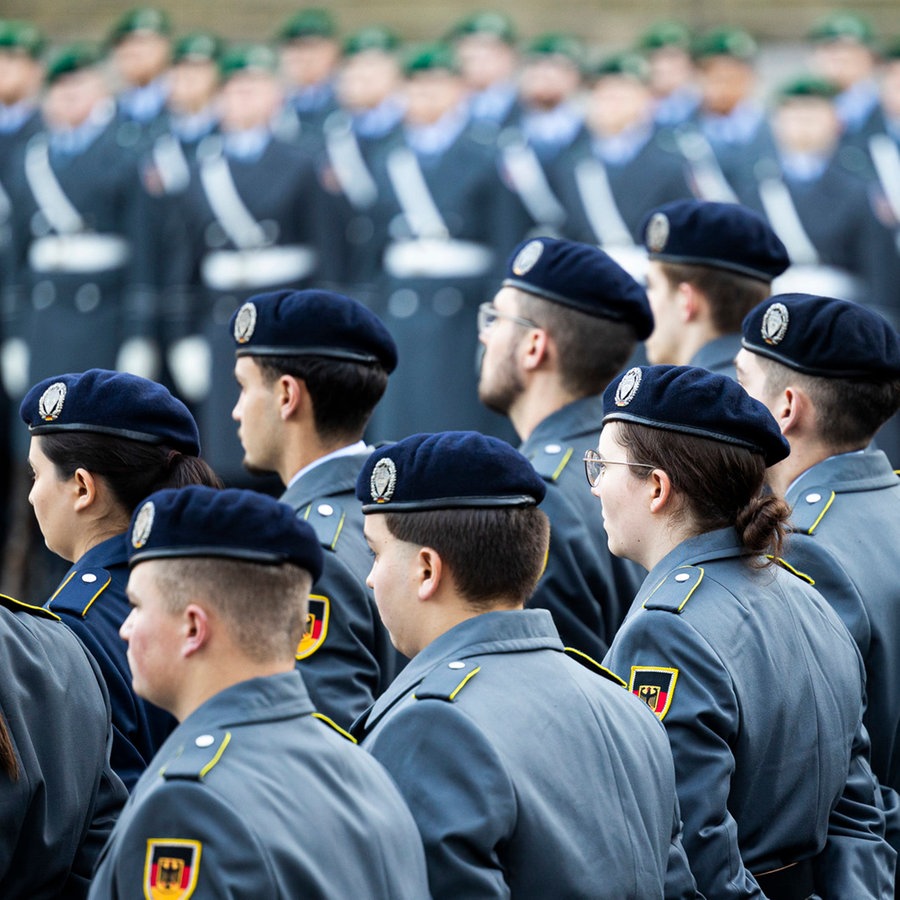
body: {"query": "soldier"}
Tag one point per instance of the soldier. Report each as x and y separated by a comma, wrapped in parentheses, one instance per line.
(667, 47)
(100, 442)
(756, 679)
(21, 73)
(311, 365)
(829, 371)
(884, 146)
(218, 587)
(493, 733)
(710, 264)
(564, 323)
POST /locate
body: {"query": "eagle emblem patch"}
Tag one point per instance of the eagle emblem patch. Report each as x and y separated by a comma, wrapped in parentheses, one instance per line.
(655, 686)
(171, 869)
(316, 631)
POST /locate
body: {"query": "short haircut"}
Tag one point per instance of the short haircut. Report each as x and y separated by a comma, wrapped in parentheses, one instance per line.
(849, 411)
(343, 393)
(264, 606)
(495, 553)
(730, 295)
(592, 350)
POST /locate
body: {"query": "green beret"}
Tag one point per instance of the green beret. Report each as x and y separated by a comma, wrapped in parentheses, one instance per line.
(143, 18)
(805, 86)
(375, 37)
(316, 23)
(556, 44)
(248, 57)
(627, 65)
(492, 24)
(662, 35)
(21, 36)
(733, 42)
(72, 58)
(891, 50)
(429, 57)
(198, 46)
(842, 26)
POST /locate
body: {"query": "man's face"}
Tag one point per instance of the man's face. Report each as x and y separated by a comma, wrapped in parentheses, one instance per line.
(257, 415)
(249, 99)
(141, 57)
(725, 82)
(807, 125)
(752, 378)
(662, 345)
(73, 97)
(500, 381)
(20, 76)
(431, 95)
(194, 83)
(367, 79)
(309, 60)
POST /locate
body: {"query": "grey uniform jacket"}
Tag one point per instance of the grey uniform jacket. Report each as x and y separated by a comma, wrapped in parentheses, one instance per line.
(528, 774)
(760, 688)
(252, 796)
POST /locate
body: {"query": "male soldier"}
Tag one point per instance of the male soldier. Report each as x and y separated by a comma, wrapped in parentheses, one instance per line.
(667, 48)
(21, 46)
(563, 324)
(255, 794)
(528, 772)
(829, 371)
(311, 365)
(710, 264)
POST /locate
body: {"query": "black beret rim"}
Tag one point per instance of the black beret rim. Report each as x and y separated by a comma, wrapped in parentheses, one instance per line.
(696, 432)
(641, 332)
(266, 558)
(879, 375)
(326, 352)
(510, 501)
(142, 437)
(755, 274)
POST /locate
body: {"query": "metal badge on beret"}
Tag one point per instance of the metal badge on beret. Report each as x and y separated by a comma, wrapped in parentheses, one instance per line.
(51, 403)
(143, 524)
(527, 257)
(657, 233)
(775, 323)
(628, 387)
(245, 323)
(383, 480)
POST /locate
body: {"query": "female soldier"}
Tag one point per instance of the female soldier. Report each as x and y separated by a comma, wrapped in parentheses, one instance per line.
(756, 680)
(101, 442)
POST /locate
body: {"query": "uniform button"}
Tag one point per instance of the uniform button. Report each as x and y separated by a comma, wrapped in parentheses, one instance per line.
(813, 498)
(456, 665)
(89, 578)
(682, 576)
(552, 448)
(205, 740)
(325, 509)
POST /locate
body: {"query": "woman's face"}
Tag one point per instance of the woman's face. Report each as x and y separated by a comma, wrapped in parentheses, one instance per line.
(53, 500)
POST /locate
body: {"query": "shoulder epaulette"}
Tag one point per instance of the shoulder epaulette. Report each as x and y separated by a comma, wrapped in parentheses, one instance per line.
(447, 680)
(590, 663)
(674, 591)
(810, 509)
(551, 459)
(327, 519)
(78, 592)
(786, 565)
(18, 606)
(198, 757)
(332, 724)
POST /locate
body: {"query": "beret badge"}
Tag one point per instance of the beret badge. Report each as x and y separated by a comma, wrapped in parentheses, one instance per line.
(143, 524)
(51, 403)
(527, 257)
(383, 480)
(628, 387)
(657, 233)
(245, 323)
(775, 323)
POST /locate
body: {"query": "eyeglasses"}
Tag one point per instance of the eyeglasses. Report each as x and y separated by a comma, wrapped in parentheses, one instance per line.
(488, 314)
(594, 466)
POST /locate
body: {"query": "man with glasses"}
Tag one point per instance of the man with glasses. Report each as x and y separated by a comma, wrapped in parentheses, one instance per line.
(564, 323)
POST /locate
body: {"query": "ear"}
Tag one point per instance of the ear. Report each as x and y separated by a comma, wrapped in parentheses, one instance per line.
(690, 302)
(292, 396)
(196, 629)
(535, 349)
(429, 572)
(661, 493)
(86, 489)
(791, 410)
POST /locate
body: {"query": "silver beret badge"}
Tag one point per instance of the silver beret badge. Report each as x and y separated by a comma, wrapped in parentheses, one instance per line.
(143, 524)
(628, 387)
(245, 323)
(527, 257)
(51, 403)
(657, 232)
(383, 480)
(775, 323)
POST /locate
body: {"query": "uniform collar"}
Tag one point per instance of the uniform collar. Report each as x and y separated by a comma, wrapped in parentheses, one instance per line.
(437, 138)
(142, 104)
(579, 419)
(859, 470)
(360, 447)
(111, 552)
(622, 148)
(718, 354)
(493, 103)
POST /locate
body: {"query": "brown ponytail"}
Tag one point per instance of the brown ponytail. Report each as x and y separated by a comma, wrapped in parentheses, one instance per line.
(9, 762)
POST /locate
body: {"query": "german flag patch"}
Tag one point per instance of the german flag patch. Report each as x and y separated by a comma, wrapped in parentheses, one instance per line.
(171, 869)
(316, 626)
(655, 686)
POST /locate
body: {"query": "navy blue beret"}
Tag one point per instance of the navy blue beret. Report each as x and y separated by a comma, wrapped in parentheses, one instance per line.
(113, 403)
(823, 336)
(312, 323)
(695, 401)
(448, 470)
(199, 521)
(719, 235)
(582, 277)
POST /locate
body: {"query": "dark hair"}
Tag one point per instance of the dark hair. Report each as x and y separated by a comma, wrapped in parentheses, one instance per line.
(492, 553)
(9, 763)
(722, 485)
(730, 295)
(132, 469)
(849, 411)
(592, 350)
(343, 393)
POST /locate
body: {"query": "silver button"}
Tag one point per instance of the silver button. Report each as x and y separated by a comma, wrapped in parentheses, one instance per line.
(682, 576)
(813, 498)
(552, 448)
(325, 509)
(456, 665)
(205, 740)
(89, 578)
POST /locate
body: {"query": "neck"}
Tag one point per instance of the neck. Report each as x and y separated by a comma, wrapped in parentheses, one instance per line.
(543, 397)
(803, 456)
(304, 449)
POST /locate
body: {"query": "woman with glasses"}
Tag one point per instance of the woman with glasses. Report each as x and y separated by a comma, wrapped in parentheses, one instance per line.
(755, 679)
(101, 441)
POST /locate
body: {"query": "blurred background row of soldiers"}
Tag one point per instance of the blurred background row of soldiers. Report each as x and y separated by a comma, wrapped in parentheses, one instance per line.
(151, 183)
